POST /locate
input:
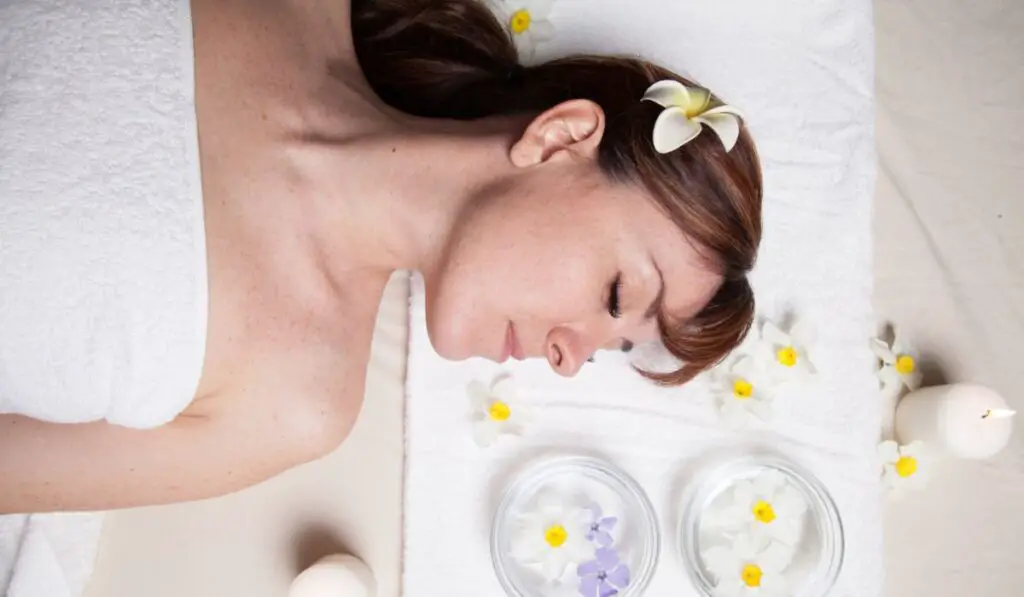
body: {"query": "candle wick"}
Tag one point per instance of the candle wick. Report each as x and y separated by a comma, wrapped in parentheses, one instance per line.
(1001, 413)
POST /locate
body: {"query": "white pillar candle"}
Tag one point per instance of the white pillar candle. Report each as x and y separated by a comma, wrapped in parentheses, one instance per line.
(960, 420)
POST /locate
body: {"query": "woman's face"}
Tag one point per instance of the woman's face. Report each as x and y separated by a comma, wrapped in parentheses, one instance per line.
(558, 262)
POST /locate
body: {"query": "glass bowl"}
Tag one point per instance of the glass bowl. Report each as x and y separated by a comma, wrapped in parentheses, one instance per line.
(526, 531)
(812, 561)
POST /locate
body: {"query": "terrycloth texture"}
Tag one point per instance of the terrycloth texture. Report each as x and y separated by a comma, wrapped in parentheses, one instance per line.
(802, 72)
(53, 553)
(102, 249)
(102, 262)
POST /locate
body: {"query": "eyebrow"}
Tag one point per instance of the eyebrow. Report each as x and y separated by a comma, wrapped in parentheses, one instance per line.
(656, 303)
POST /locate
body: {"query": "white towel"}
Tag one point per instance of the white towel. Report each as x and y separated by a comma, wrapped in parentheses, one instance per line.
(102, 248)
(803, 74)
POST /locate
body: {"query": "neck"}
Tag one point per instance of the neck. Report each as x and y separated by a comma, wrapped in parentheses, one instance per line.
(388, 199)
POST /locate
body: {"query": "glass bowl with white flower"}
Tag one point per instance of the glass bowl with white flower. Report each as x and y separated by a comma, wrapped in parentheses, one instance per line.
(760, 526)
(574, 525)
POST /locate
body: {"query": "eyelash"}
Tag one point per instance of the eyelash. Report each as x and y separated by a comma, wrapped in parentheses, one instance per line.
(614, 308)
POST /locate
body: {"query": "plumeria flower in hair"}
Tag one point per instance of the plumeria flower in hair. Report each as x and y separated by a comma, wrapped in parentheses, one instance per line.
(527, 21)
(687, 109)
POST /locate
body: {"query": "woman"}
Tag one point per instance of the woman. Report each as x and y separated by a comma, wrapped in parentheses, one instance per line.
(340, 142)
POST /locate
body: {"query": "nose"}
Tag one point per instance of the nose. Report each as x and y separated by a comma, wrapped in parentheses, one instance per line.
(566, 351)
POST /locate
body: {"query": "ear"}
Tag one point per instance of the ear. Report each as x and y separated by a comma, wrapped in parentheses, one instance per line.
(572, 128)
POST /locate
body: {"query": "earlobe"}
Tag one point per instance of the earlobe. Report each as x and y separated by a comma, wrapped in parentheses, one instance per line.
(574, 127)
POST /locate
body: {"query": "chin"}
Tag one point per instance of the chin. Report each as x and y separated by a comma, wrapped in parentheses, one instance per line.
(445, 339)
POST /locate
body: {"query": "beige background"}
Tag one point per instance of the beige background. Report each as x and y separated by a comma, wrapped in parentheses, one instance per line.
(950, 270)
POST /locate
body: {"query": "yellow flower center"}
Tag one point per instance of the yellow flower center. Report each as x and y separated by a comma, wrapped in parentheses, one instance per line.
(499, 411)
(742, 389)
(906, 466)
(763, 511)
(556, 536)
(751, 575)
(520, 21)
(905, 364)
(787, 356)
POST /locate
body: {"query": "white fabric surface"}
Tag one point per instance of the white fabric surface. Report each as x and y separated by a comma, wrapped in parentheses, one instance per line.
(102, 248)
(802, 72)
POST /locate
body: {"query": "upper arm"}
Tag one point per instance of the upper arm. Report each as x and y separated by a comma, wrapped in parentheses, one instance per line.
(98, 466)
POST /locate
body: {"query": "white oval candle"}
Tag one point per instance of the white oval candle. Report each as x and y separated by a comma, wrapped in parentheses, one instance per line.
(962, 420)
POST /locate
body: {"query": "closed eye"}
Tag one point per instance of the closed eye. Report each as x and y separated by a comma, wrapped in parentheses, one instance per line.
(614, 306)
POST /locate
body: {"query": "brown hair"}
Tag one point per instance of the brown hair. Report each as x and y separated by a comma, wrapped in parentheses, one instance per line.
(454, 59)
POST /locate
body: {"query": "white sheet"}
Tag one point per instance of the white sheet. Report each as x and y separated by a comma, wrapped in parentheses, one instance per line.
(803, 74)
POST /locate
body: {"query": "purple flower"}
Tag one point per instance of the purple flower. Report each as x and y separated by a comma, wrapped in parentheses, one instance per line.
(604, 576)
(599, 529)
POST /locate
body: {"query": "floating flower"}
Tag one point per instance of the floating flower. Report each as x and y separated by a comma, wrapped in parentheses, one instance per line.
(787, 354)
(749, 568)
(495, 410)
(686, 109)
(527, 21)
(902, 466)
(900, 364)
(603, 576)
(600, 527)
(552, 535)
(767, 508)
(743, 390)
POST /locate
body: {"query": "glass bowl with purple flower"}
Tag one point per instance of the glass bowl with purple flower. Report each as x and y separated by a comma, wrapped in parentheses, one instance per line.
(574, 526)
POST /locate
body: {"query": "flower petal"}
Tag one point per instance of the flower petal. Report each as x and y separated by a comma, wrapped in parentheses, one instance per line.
(762, 410)
(607, 557)
(542, 31)
(787, 531)
(804, 333)
(773, 335)
(745, 367)
(913, 380)
(726, 126)
(590, 586)
(673, 129)
(485, 432)
(504, 389)
(554, 564)
(776, 557)
(888, 452)
(745, 548)
(668, 94)
(720, 561)
(912, 449)
(768, 482)
(883, 352)
(591, 568)
(900, 344)
(619, 576)
(540, 9)
(479, 395)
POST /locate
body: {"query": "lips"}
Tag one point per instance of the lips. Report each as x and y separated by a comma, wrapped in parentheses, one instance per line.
(512, 347)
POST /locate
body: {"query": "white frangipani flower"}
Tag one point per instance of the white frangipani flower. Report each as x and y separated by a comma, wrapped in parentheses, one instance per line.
(527, 21)
(552, 534)
(787, 354)
(767, 508)
(496, 410)
(686, 110)
(903, 467)
(900, 364)
(749, 568)
(743, 391)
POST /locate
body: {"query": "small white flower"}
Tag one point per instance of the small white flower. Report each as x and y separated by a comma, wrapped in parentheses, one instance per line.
(686, 109)
(749, 568)
(495, 410)
(903, 467)
(900, 365)
(767, 508)
(552, 534)
(743, 391)
(787, 355)
(527, 21)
